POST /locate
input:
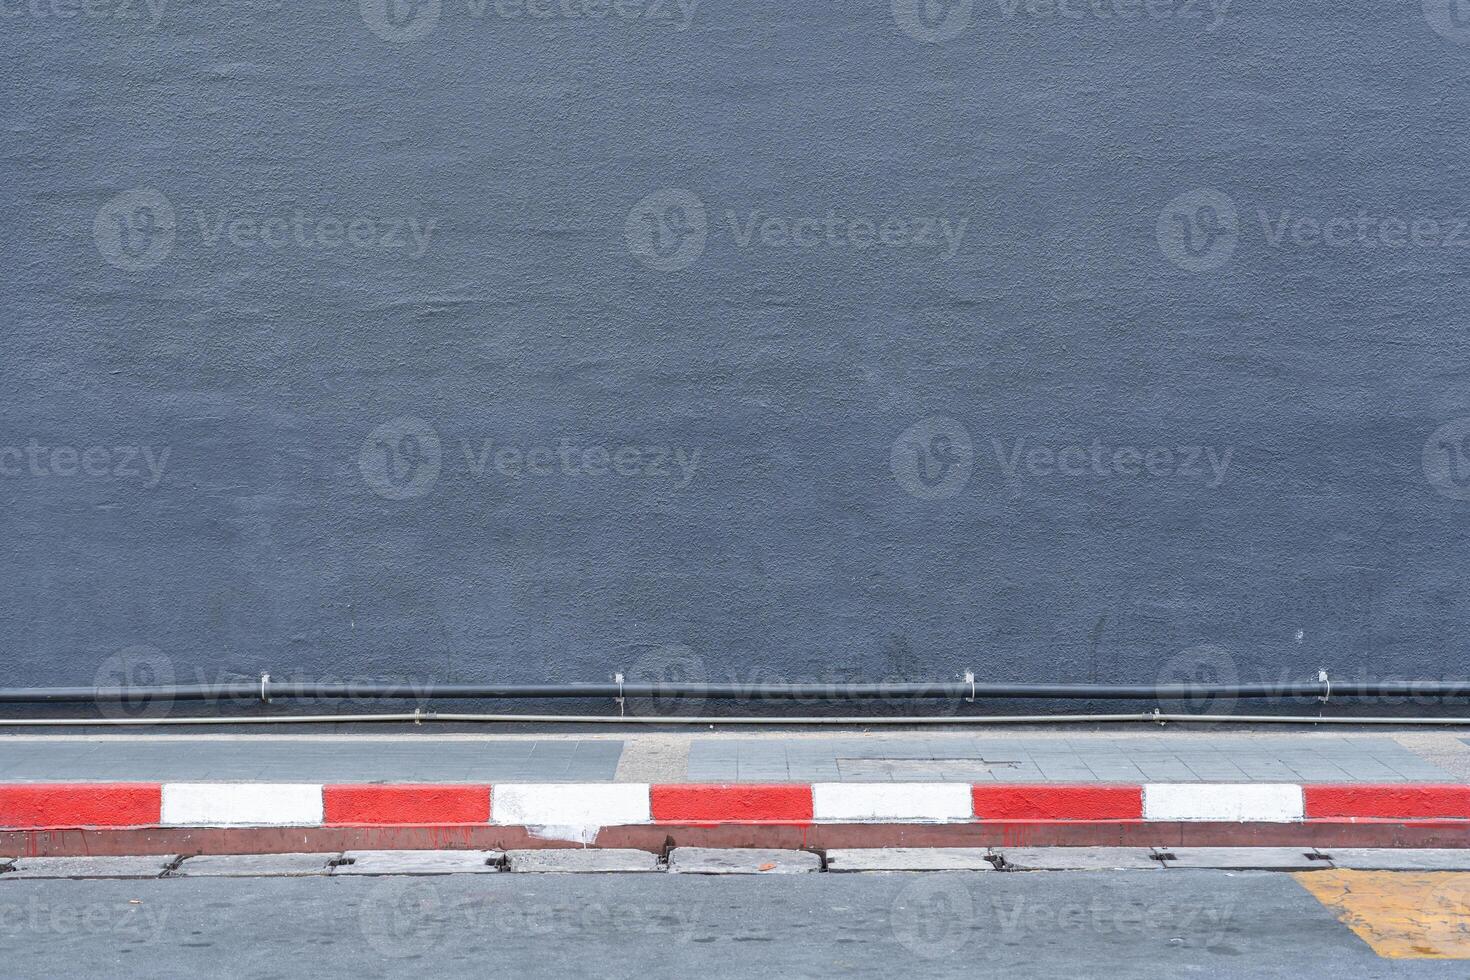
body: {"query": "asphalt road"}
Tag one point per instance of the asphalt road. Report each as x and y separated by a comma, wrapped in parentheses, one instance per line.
(1092, 924)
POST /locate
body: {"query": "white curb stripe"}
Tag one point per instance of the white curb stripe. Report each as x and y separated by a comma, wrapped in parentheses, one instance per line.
(867, 802)
(242, 804)
(1240, 802)
(606, 804)
(569, 804)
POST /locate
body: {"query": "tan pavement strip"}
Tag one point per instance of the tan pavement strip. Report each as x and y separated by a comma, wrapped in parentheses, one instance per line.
(1400, 914)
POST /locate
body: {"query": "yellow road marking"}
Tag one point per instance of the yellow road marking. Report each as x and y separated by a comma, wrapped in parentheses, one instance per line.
(1401, 914)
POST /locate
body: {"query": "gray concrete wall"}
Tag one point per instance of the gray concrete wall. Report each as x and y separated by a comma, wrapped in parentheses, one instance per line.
(756, 341)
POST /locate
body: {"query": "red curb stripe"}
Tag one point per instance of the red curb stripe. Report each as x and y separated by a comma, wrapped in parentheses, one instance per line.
(404, 805)
(997, 801)
(1387, 800)
(713, 804)
(41, 806)
(47, 805)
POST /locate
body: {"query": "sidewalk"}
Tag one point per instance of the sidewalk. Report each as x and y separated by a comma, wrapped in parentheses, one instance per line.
(100, 794)
(1023, 756)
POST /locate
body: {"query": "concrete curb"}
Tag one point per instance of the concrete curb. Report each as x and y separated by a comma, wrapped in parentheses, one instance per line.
(753, 861)
(224, 817)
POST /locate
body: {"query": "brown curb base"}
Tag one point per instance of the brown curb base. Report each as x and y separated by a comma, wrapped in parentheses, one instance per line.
(658, 838)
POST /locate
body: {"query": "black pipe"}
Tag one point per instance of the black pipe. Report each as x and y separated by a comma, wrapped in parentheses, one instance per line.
(428, 690)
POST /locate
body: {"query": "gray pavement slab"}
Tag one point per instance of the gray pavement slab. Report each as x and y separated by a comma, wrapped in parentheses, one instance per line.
(151, 866)
(734, 861)
(581, 861)
(254, 865)
(1165, 756)
(418, 862)
(909, 859)
(989, 758)
(289, 759)
(1398, 859)
(1244, 858)
(1079, 859)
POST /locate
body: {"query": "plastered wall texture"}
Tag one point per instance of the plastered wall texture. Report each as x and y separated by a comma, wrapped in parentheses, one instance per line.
(749, 341)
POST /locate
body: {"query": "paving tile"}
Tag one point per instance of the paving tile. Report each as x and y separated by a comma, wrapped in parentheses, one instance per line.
(1398, 859)
(360, 759)
(1015, 776)
(1244, 858)
(418, 862)
(1427, 774)
(580, 860)
(1079, 759)
(254, 865)
(151, 866)
(909, 859)
(1079, 858)
(720, 861)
